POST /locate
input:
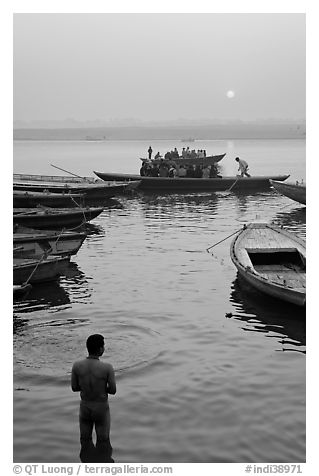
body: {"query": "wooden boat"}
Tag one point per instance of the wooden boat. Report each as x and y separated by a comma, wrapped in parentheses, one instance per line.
(92, 188)
(177, 161)
(29, 199)
(271, 260)
(189, 185)
(21, 290)
(295, 191)
(36, 271)
(28, 242)
(54, 218)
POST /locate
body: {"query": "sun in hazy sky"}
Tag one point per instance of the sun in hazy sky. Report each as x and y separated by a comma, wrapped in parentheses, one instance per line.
(230, 94)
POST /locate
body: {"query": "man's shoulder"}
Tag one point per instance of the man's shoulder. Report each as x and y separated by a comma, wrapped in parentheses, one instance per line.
(106, 366)
(79, 363)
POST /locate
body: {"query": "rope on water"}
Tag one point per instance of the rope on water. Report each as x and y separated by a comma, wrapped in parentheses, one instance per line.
(224, 239)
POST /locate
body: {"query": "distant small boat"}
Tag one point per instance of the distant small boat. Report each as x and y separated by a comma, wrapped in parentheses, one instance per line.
(37, 271)
(33, 243)
(271, 260)
(54, 218)
(29, 199)
(21, 290)
(295, 191)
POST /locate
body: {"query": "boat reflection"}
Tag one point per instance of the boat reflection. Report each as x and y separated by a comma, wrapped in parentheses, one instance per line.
(294, 220)
(261, 313)
(42, 296)
(106, 202)
(19, 323)
(56, 295)
(93, 229)
(175, 203)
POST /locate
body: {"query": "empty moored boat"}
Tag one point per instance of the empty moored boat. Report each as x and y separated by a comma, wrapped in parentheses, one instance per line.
(29, 199)
(92, 188)
(271, 260)
(295, 191)
(37, 271)
(54, 218)
(33, 243)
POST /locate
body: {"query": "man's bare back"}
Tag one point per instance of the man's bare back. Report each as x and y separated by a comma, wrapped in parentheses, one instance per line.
(94, 379)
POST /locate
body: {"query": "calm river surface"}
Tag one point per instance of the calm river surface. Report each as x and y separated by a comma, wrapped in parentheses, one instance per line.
(193, 384)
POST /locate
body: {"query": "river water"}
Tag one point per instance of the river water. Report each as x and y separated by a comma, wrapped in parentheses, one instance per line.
(207, 370)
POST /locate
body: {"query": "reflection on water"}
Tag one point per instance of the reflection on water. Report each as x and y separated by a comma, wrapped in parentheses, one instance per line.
(294, 220)
(56, 295)
(143, 279)
(44, 296)
(276, 319)
(93, 229)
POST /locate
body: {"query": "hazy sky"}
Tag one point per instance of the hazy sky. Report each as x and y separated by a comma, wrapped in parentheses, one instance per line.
(159, 66)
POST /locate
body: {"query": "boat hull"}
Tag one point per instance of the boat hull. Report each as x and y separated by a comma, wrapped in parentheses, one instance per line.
(21, 290)
(54, 218)
(93, 190)
(272, 261)
(291, 190)
(29, 199)
(35, 271)
(189, 185)
(34, 243)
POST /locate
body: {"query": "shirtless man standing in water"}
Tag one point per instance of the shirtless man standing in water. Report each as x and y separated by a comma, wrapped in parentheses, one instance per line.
(94, 380)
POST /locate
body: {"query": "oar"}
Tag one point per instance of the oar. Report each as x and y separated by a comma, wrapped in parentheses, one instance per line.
(71, 173)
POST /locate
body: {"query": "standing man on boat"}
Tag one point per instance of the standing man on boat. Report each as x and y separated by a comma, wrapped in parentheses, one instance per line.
(94, 380)
(243, 167)
(150, 150)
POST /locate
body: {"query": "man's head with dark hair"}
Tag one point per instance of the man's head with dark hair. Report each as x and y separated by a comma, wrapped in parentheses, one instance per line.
(94, 343)
(237, 159)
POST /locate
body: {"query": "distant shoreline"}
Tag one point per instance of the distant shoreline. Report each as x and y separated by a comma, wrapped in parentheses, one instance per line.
(176, 133)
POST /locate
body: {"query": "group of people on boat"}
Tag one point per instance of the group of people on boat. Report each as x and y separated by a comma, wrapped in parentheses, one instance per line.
(174, 154)
(169, 169)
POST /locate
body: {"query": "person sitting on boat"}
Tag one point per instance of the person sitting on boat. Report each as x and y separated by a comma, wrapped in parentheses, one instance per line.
(154, 172)
(243, 167)
(214, 171)
(157, 155)
(206, 171)
(172, 172)
(163, 169)
(193, 154)
(198, 173)
(143, 170)
(181, 171)
(150, 150)
(190, 171)
(175, 153)
(167, 156)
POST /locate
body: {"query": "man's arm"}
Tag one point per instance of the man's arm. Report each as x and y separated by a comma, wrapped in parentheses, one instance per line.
(111, 384)
(74, 381)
